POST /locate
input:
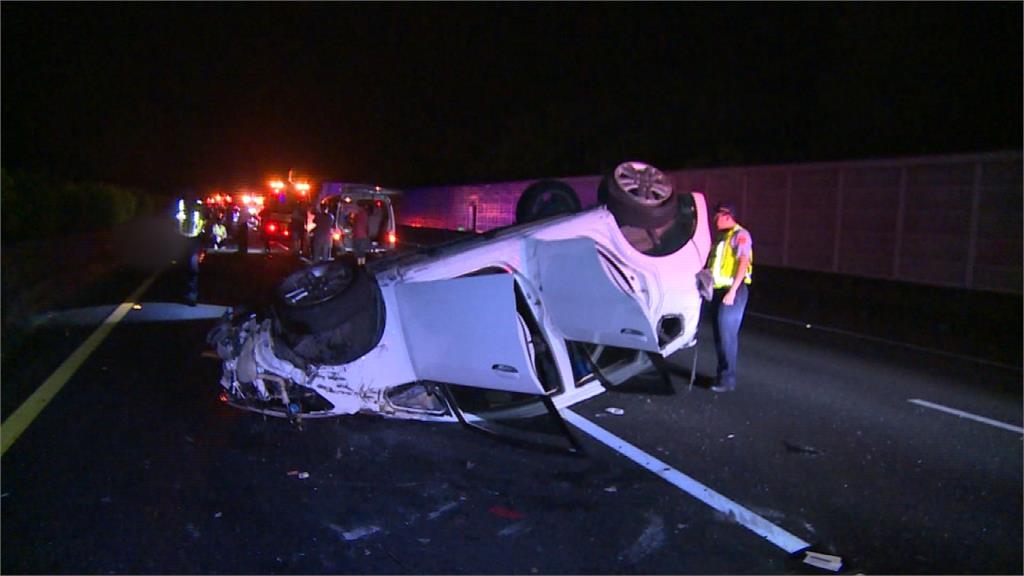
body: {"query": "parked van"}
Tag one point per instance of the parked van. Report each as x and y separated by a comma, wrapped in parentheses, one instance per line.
(343, 198)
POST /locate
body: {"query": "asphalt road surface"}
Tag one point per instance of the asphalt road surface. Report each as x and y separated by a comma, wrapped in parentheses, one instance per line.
(842, 443)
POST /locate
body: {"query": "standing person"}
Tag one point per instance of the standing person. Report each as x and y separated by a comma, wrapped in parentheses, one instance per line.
(731, 266)
(242, 232)
(360, 234)
(264, 235)
(220, 233)
(324, 225)
(374, 218)
(196, 246)
(297, 229)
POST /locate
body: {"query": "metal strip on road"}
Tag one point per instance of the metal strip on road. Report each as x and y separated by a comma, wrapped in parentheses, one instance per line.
(777, 536)
(967, 415)
(13, 427)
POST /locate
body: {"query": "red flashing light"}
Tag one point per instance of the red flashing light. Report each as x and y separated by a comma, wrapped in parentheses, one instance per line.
(272, 227)
(392, 238)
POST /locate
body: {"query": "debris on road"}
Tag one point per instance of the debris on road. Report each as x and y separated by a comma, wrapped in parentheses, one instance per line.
(652, 538)
(303, 475)
(826, 561)
(355, 533)
(616, 411)
(437, 513)
(513, 529)
(730, 436)
(218, 514)
(801, 449)
(611, 489)
(507, 513)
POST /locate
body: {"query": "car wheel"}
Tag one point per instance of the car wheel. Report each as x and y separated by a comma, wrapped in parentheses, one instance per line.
(309, 301)
(546, 198)
(639, 194)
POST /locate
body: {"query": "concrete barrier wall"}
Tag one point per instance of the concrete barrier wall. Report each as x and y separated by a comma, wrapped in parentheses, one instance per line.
(942, 220)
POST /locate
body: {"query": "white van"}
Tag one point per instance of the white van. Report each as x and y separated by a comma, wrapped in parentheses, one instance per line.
(343, 197)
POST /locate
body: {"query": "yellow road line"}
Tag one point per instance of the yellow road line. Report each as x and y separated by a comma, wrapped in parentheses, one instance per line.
(12, 428)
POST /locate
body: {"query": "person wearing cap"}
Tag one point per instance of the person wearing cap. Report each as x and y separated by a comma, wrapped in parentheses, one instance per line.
(731, 266)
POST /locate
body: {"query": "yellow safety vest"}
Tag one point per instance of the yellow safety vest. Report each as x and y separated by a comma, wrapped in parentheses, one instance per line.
(725, 262)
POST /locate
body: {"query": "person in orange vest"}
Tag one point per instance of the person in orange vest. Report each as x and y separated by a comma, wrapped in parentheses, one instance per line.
(731, 264)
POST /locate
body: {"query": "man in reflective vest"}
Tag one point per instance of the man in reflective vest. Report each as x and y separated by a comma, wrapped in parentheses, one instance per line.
(731, 265)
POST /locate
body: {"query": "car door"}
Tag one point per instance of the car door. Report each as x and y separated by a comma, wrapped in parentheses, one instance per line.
(467, 331)
(583, 300)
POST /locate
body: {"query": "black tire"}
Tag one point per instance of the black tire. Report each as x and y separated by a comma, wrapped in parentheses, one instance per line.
(545, 199)
(323, 297)
(639, 194)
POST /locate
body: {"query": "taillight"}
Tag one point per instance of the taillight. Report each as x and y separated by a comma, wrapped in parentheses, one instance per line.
(287, 232)
(392, 238)
(272, 227)
(337, 235)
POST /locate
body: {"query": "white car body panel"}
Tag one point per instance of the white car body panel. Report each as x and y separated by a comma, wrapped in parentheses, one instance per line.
(466, 331)
(584, 301)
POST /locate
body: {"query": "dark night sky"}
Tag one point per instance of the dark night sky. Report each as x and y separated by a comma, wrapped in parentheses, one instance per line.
(417, 94)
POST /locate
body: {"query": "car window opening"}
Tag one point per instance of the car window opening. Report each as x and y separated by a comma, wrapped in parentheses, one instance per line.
(423, 397)
(598, 361)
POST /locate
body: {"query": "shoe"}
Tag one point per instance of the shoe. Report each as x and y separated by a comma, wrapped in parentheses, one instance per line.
(728, 385)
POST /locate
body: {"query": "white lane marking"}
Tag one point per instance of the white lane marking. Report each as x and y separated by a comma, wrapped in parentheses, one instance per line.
(967, 415)
(884, 341)
(741, 515)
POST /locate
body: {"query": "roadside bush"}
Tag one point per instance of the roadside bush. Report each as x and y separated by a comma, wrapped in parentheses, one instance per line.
(36, 206)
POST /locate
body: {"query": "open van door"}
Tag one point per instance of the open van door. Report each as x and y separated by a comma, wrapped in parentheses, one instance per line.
(584, 301)
(467, 331)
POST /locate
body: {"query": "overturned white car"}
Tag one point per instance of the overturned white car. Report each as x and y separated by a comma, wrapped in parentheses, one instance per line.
(508, 324)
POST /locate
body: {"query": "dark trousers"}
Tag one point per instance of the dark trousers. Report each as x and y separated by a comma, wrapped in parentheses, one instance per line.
(243, 239)
(192, 275)
(727, 320)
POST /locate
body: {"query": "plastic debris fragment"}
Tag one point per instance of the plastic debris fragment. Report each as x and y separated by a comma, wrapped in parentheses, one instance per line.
(616, 411)
(801, 449)
(508, 513)
(826, 561)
